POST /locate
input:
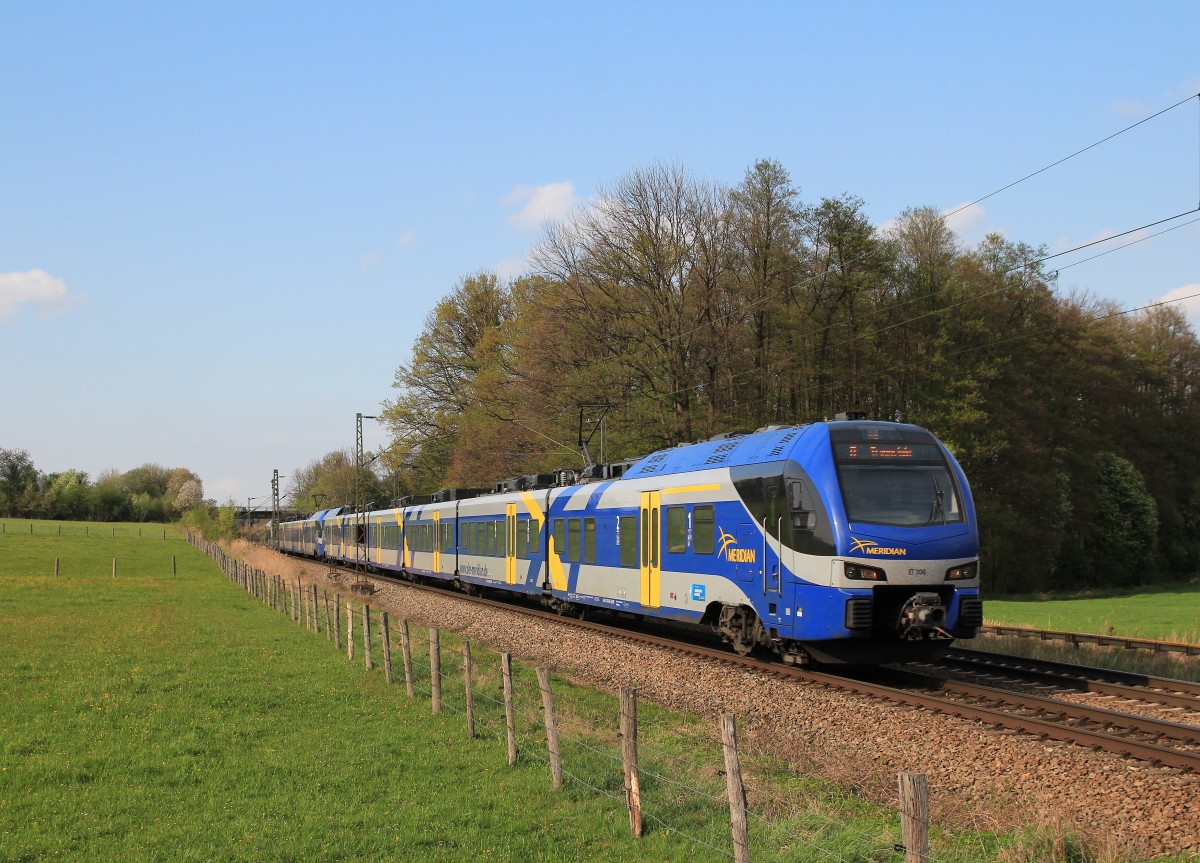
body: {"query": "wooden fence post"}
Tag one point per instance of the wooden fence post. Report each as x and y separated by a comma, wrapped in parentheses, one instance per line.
(174, 569)
(56, 567)
(366, 614)
(629, 758)
(435, 670)
(551, 722)
(315, 616)
(387, 648)
(466, 648)
(735, 789)
(406, 651)
(349, 630)
(114, 566)
(509, 713)
(337, 621)
(914, 817)
(328, 628)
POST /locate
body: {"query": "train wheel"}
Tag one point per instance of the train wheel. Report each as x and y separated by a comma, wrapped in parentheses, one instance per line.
(741, 627)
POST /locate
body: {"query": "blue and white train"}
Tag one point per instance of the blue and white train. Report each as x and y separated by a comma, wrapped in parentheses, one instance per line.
(849, 541)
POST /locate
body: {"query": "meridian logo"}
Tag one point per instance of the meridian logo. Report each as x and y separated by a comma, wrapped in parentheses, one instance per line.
(869, 546)
(732, 553)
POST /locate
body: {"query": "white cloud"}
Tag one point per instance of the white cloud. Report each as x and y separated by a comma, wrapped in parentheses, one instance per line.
(1129, 108)
(406, 239)
(369, 262)
(963, 216)
(46, 295)
(540, 203)
(1187, 299)
(510, 268)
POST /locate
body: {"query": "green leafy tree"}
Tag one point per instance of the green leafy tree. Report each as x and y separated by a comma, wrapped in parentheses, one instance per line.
(18, 483)
(1126, 528)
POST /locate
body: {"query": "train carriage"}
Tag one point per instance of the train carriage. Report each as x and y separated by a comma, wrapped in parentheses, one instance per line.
(836, 541)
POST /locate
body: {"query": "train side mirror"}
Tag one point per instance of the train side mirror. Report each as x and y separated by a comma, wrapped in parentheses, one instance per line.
(803, 517)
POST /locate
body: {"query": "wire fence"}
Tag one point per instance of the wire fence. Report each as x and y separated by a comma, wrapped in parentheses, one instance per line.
(93, 530)
(690, 782)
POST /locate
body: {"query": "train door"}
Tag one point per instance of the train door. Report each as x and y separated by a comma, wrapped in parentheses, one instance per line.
(405, 552)
(651, 550)
(437, 542)
(379, 539)
(510, 544)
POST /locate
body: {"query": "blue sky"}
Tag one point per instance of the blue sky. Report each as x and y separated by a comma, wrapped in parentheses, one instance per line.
(222, 224)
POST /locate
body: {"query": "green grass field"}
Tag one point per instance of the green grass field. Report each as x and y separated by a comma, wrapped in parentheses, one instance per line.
(1161, 613)
(151, 717)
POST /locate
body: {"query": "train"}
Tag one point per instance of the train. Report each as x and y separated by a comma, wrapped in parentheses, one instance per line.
(843, 541)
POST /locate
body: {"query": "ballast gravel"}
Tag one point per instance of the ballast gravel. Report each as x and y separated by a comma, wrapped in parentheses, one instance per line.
(979, 778)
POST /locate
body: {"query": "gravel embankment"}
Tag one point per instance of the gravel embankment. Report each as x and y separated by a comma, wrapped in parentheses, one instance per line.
(978, 778)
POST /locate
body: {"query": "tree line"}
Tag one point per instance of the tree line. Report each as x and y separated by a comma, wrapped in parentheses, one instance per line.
(693, 308)
(147, 493)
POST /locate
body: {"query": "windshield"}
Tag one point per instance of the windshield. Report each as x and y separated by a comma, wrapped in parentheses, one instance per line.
(903, 481)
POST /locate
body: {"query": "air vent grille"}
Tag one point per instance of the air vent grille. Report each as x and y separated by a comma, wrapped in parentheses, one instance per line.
(783, 442)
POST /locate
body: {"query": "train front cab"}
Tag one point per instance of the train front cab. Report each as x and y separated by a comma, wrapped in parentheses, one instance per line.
(868, 544)
(906, 561)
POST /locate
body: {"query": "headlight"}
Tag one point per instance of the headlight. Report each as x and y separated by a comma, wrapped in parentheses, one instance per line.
(858, 572)
(963, 572)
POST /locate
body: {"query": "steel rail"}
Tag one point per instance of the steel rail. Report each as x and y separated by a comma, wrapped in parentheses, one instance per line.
(1090, 638)
(1065, 710)
(1124, 684)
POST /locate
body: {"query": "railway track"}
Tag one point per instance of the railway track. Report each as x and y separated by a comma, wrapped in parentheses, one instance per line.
(1159, 742)
(1078, 638)
(1061, 676)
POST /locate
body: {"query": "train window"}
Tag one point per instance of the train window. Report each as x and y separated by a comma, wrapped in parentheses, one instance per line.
(535, 537)
(645, 538)
(463, 533)
(704, 534)
(628, 528)
(523, 538)
(655, 520)
(573, 540)
(490, 533)
(448, 542)
(502, 538)
(589, 540)
(560, 537)
(676, 529)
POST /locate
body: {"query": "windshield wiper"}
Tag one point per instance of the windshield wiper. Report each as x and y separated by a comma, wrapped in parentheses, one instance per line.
(938, 509)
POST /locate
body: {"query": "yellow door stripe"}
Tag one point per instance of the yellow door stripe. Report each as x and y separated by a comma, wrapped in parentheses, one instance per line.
(684, 489)
(558, 576)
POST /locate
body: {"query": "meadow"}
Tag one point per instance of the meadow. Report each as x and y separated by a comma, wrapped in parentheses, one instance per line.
(153, 716)
(1159, 613)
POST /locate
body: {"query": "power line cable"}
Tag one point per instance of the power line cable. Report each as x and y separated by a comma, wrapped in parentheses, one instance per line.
(1073, 155)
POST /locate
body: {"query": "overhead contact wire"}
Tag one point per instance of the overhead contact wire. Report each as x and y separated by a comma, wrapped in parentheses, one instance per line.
(1073, 155)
